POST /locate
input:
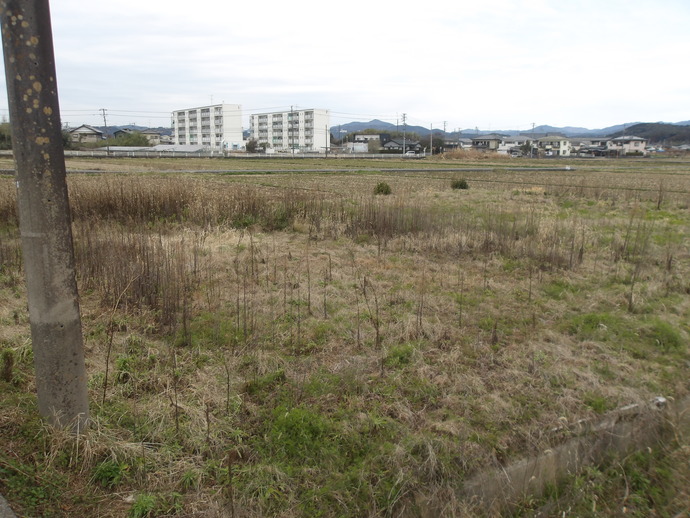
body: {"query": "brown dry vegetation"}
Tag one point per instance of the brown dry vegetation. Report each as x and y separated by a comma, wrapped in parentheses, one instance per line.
(288, 344)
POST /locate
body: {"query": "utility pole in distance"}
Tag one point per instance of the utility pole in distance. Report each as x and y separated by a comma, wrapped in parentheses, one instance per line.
(44, 217)
(404, 120)
(105, 125)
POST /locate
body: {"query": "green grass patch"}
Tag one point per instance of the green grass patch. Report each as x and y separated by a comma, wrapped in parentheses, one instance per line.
(663, 335)
(558, 289)
(602, 327)
(400, 355)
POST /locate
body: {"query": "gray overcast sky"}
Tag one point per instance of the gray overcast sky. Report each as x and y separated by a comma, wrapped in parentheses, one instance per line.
(503, 64)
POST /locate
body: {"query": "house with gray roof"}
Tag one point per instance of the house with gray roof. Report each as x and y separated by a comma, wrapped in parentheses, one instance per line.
(627, 145)
(85, 133)
(490, 142)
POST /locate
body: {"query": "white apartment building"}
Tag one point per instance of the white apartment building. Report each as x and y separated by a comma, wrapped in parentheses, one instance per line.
(293, 130)
(217, 127)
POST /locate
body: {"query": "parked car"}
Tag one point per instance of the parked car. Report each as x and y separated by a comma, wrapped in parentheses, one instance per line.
(410, 153)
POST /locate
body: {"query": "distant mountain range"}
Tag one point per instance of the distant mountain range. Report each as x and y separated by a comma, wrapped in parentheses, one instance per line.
(669, 133)
(112, 129)
(660, 133)
(657, 132)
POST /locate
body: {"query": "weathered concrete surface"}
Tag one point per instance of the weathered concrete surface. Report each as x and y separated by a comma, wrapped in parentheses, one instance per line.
(5, 510)
(44, 213)
(627, 429)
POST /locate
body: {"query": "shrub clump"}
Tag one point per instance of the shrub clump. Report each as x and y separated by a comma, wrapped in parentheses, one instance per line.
(459, 184)
(382, 188)
(664, 336)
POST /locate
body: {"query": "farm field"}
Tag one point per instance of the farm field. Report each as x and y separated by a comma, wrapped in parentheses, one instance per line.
(272, 338)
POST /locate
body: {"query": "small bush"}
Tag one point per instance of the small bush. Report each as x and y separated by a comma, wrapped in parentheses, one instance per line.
(110, 473)
(143, 506)
(664, 336)
(459, 184)
(300, 434)
(382, 188)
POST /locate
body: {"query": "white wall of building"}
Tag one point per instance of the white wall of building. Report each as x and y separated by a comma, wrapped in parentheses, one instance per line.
(555, 146)
(216, 127)
(628, 144)
(294, 130)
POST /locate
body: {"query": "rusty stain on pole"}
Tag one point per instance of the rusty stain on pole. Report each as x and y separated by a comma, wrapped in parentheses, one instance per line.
(44, 216)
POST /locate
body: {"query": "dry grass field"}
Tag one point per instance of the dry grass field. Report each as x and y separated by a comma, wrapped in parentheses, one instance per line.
(271, 338)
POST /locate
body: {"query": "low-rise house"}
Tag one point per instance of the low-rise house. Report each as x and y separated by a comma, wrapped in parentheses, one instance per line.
(456, 143)
(555, 146)
(464, 143)
(122, 132)
(514, 146)
(367, 138)
(490, 142)
(591, 147)
(627, 145)
(579, 143)
(85, 133)
(153, 136)
(370, 143)
(356, 147)
(397, 144)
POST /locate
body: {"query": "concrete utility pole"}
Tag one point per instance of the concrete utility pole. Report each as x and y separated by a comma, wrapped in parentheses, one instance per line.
(404, 120)
(105, 125)
(44, 217)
